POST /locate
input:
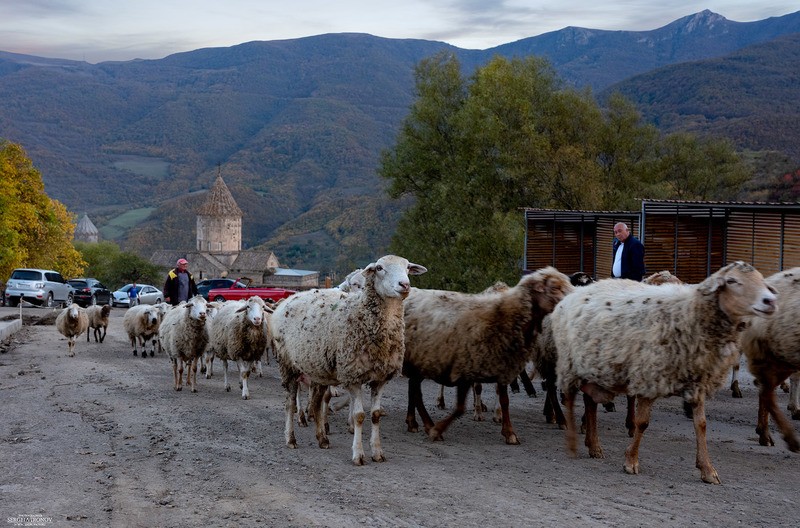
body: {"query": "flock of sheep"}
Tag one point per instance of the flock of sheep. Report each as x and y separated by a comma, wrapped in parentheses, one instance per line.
(645, 340)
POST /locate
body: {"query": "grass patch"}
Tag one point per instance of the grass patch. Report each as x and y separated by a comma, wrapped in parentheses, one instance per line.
(149, 167)
(118, 226)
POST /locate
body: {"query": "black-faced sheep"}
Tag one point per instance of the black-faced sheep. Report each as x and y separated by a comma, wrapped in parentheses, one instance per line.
(184, 336)
(72, 322)
(98, 321)
(141, 325)
(458, 339)
(772, 348)
(239, 333)
(651, 342)
(335, 338)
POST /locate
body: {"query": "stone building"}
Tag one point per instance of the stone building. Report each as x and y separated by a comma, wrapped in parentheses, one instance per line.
(218, 251)
(86, 231)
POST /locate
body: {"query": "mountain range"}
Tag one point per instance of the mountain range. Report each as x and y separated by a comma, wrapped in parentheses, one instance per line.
(296, 127)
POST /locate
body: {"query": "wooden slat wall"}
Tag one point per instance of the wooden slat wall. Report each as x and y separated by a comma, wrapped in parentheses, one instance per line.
(690, 256)
(539, 250)
(791, 242)
(755, 237)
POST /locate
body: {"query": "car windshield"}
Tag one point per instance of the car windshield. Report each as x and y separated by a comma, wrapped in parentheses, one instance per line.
(77, 283)
(26, 275)
(125, 288)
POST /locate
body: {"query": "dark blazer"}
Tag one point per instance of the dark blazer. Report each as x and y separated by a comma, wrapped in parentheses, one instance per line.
(632, 258)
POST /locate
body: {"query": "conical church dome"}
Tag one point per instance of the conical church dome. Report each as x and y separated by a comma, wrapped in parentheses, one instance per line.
(220, 201)
(86, 231)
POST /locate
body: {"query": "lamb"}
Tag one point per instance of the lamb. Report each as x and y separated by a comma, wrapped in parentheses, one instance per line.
(650, 342)
(98, 320)
(458, 339)
(772, 348)
(184, 336)
(141, 324)
(72, 322)
(335, 338)
(240, 333)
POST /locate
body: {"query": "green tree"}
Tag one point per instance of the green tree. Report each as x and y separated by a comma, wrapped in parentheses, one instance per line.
(115, 268)
(472, 152)
(35, 230)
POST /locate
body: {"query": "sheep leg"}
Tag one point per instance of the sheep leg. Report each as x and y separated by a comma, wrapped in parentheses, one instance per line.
(153, 341)
(508, 429)
(630, 415)
(440, 398)
(556, 414)
(88, 334)
(641, 421)
(477, 402)
(771, 407)
(530, 390)
(736, 392)
(316, 392)
(794, 395)
(357, 410)
(103, 335)
(225, 374)
(71, 345)
(326, 408)
(376, 413)
(133, 344)
(707, 472)
(591, 440)
(414, 392)
(244, 373)
(571, 436)
(175, 380)
(514, 386)
(301, 415)
(290, 407)
(209, 364)
(192, 372)
(435, 433)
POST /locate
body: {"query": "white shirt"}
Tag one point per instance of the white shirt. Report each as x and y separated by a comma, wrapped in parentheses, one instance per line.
(616, 269)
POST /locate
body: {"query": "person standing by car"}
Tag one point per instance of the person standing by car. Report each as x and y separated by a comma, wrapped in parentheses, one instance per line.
(133, 295)
(180, 285)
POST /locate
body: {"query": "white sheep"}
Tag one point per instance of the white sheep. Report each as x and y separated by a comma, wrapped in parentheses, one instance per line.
(207, 360)
(458, 339)
(619, 336)
(772, 348)
(98, 320)
(353, 282)
(72, 322)
(335, 338)
(240, 333)
(141, 324)
(184, 336)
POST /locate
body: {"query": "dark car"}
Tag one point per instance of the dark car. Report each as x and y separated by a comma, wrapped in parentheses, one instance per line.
(204, 286)
(88, 292)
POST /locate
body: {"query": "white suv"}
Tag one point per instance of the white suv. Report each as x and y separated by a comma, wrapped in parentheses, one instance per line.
(37, 286)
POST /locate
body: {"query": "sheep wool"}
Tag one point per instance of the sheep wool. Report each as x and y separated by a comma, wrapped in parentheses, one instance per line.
(72, 322)
(653, 341)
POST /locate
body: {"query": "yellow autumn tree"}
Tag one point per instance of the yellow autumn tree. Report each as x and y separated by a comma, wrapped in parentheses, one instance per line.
(35, 230)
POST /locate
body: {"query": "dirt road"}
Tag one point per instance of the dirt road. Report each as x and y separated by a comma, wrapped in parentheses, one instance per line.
(102, 439)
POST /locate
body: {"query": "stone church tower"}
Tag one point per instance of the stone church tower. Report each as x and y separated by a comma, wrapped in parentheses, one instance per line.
(219, 224)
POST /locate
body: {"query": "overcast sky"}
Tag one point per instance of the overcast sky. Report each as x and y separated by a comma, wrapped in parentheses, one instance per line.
(101, 30)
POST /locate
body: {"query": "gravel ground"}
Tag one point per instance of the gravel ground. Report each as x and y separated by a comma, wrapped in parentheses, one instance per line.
(102, 439)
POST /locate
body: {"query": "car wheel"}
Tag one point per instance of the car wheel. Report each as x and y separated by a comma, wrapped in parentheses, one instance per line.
(219, 298)
(49, 301)
(158, 301)
(68, 302)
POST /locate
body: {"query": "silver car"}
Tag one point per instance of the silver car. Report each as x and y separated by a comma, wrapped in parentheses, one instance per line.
(38, 286)
(147, 295)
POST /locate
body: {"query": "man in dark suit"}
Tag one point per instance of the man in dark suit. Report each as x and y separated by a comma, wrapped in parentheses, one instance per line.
(628, 254)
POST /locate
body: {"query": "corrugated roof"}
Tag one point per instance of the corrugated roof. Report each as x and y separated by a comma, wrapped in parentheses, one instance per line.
(220, 201)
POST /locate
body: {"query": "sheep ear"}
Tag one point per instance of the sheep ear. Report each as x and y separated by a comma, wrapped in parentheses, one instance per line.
(369, 269)
(242, 309)
(416, 269)
(268, 309)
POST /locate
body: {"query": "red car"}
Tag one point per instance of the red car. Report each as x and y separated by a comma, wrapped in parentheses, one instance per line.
(241, 289)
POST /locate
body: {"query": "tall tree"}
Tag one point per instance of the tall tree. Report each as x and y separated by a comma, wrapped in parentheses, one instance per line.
(472, 152)
(115, 268)
(35, 230)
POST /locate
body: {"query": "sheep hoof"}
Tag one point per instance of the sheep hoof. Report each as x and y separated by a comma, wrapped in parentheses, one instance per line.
(477, 418)
(632, 469)
(134, 353)
(358, 460)
(512, 439)
(324, 443)
(152, 353)
(435, 435)
(378, 458)
(228, 388)
(766, 440)
(597, 452)
(710, 477)
(245, 397)
(291, 445)
(736, 392)
(178, 388)
(194, 389)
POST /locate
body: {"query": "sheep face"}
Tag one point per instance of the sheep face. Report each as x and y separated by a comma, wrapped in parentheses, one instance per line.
(254, 308)
(196, 307)
(389, 275)
(742, 291)
(580, 278)
(551, 285)
(105, 311)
